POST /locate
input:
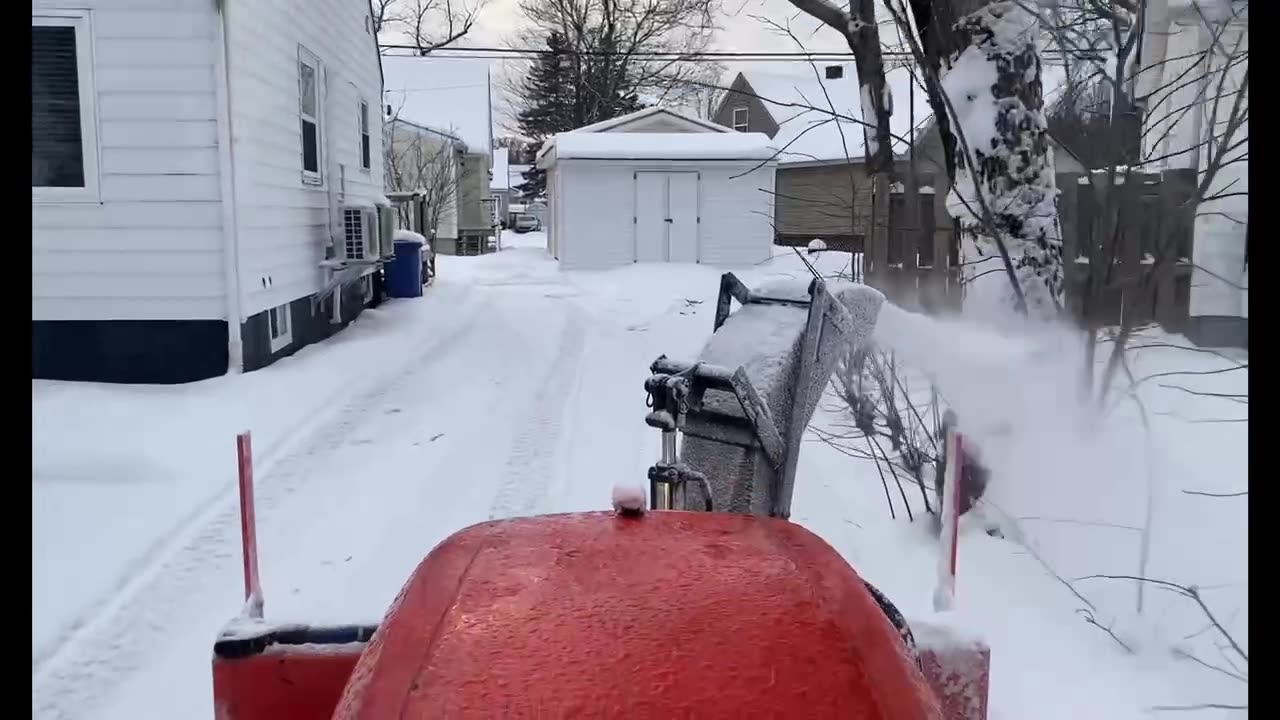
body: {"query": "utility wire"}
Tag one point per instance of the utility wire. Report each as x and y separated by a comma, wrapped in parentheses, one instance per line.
(647, 54)
(499, 53)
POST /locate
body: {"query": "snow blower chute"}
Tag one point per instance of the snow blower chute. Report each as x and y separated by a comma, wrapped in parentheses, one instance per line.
(724, 614)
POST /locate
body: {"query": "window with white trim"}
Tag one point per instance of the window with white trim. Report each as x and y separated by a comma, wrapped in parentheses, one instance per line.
(64, 147)
(740, 119)
(278, 327)
(309, 78)
(366, 157)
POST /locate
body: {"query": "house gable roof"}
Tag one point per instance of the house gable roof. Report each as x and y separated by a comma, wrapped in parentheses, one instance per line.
(641, 120)
(800, 104)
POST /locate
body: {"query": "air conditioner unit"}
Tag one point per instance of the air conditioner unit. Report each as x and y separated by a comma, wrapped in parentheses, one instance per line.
(360, 234)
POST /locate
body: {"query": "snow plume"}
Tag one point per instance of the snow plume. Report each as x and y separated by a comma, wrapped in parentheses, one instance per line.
(1004, 185)
(1014, 391)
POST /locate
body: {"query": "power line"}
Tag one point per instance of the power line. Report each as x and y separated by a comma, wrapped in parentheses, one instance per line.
(499, 53)
(647, 54)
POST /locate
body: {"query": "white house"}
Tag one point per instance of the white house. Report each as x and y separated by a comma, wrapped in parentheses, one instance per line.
(453, 96)
(500, 184)
(658, 186)
(204, 177)
(423, 169)
(1195, 59)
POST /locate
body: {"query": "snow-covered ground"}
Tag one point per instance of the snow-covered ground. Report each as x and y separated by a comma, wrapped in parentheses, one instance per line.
(514, 388)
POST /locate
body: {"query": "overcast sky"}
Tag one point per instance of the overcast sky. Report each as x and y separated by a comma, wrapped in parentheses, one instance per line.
(500, 21)
(500, 24)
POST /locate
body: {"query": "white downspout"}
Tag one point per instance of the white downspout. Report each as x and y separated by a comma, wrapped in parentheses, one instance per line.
(227, 187)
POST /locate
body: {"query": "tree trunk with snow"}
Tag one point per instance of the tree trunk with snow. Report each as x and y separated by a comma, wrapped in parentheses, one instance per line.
(1003, 195)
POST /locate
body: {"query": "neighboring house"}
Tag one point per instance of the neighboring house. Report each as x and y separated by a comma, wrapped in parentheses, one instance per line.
(423, 166)
(454, 96)
(500, 186)
(823, 189)
(204, 183)
(1182, 85)
(658, 186)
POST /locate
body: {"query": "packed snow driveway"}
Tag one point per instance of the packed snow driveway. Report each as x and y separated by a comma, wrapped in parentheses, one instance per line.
(467, 427)
(511, 388)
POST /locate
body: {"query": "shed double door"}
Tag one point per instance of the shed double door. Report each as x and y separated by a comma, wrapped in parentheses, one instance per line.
(666, 218)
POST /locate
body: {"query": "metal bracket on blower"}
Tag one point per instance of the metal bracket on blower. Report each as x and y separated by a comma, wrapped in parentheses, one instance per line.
(673, 389)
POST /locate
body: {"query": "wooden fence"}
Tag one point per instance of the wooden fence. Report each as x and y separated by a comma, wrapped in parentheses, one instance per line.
(1140, 226)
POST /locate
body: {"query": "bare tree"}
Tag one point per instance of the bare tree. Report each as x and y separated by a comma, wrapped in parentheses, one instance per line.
(703, 92)
(424, 161)
(980, 65)
(644, 48)
(424, 24)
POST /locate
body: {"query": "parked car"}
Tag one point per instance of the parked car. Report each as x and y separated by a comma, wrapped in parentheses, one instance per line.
(526, 223)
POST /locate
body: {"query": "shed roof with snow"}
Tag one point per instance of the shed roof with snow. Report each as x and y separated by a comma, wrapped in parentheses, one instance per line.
(658, 186)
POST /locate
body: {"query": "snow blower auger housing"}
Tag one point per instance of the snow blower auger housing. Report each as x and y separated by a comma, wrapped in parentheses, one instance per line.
(642, 615)
(744, 404)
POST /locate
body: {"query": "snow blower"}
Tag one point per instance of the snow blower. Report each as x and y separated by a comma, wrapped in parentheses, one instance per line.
(672, 612)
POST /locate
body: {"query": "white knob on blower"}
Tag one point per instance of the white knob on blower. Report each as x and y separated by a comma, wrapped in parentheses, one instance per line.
(628, 499)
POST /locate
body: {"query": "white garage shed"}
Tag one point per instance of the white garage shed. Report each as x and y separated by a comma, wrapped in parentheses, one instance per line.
(658, 186)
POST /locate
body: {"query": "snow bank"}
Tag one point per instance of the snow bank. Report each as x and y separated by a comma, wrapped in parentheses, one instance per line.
(662, 146)
(403, 235)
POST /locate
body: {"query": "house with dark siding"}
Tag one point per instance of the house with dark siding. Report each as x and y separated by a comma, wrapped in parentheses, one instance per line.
(822, 187)
(206, 183)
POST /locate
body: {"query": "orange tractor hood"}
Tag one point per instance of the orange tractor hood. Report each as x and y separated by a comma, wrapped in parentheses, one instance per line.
(663, 615)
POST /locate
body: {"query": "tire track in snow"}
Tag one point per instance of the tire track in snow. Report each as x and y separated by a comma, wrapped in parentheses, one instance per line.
(117, 641)
(532, 461)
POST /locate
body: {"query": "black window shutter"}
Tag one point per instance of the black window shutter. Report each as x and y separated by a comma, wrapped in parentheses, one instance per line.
(57, 157)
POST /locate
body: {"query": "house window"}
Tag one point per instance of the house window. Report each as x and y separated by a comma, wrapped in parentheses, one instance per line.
(278, 327)
(309, 113)
(740, 119)
(366, 161)
(64, 148)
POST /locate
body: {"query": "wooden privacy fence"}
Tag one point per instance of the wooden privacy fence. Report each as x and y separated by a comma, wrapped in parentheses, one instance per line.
(1126, 251)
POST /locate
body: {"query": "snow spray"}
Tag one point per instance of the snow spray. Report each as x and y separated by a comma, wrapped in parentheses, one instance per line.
(1016, 384)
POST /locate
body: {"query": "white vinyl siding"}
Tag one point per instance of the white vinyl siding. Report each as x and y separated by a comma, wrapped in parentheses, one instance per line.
(285, 225)
(146, 243)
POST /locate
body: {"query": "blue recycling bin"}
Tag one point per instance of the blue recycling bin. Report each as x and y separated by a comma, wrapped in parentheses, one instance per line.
(404, 272)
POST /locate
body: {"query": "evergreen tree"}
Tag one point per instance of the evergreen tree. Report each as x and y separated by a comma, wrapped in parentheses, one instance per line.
(566, 90)
(548, 96)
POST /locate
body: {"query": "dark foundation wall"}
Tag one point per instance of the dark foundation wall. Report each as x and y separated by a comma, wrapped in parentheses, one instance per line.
(1218, 331)
(129, 351)
(310, 323)
(167, 352)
